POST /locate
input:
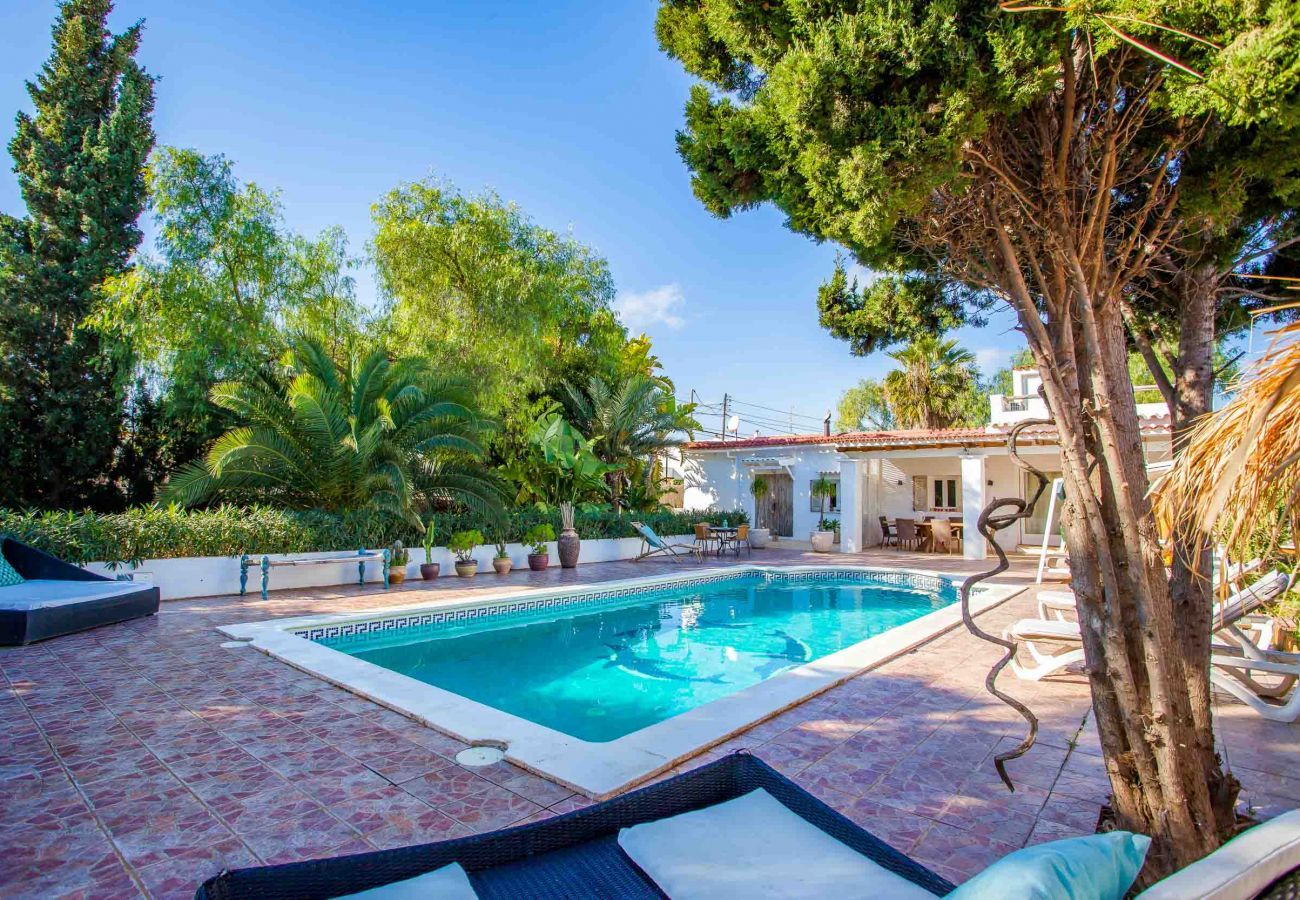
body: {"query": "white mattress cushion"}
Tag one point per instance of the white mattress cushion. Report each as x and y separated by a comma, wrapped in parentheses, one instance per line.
(41, 593)
(448, 883)
(754, 847)
(1241, 868)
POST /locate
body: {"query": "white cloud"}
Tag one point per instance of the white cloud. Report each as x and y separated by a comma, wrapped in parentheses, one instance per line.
(990, 359)
(657, 306)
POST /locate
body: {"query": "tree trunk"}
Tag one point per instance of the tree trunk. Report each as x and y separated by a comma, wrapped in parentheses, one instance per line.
(1061, 211)
(1152, 741)
(1191, 565)
(1159, 775)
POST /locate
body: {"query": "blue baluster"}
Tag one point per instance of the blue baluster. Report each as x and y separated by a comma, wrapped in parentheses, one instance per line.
(266, 573)
(243, 574)
(361, 567)
(387, 557)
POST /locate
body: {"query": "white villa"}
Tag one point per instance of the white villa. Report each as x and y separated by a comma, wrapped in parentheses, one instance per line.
(951, 472)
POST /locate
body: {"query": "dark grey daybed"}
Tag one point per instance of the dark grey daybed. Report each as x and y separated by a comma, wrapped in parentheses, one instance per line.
(59, 598)
(574, 856)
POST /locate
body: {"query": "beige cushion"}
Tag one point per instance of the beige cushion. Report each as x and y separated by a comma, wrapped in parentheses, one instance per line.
(1241, 868)
(753, 847)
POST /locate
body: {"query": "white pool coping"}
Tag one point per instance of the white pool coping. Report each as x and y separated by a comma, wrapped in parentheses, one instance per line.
(600, 770)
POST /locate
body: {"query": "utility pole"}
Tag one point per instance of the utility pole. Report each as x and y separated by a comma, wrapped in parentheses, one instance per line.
(726, 401)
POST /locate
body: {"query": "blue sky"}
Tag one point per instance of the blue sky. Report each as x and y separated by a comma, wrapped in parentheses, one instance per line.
(567, 108)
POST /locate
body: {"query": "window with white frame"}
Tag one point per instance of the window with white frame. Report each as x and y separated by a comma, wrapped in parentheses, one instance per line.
(832, 502)
(935, 494)
(945, 493)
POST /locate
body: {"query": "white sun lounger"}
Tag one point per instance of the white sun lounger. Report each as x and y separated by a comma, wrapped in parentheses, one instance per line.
(1032, 632)
(1059, 605)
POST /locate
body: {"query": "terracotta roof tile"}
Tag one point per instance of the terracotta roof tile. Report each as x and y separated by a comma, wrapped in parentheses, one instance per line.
(1151, 425)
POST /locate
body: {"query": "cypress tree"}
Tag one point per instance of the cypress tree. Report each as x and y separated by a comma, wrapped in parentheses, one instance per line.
(80, 165)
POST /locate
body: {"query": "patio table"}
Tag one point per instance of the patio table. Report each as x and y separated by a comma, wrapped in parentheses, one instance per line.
(927, 536)
(722, 535)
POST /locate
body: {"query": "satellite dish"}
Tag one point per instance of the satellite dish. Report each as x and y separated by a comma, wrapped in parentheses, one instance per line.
(733, 424)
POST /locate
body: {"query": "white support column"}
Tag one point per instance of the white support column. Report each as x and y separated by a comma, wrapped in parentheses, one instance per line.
(851, 506)
(973, 481)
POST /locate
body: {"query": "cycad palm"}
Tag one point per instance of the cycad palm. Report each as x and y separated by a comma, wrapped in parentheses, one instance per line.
(929, 390)
(367, 434)
(629, 420)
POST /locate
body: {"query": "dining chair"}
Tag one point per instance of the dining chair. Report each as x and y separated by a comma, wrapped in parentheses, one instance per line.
(907, 534)
(739, 542)
(887, 535)
(703, 538)
(941, 536)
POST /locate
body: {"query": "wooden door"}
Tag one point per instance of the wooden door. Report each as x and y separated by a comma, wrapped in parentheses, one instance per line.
(777, 509)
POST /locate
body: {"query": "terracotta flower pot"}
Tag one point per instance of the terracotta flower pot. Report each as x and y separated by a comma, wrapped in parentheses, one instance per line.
(429, 571)
(467, 569)
(570, 545)
(539, 561)
(502, 565)
(396, 574)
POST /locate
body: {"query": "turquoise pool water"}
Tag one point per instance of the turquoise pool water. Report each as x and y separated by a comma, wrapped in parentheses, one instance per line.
(598, 674)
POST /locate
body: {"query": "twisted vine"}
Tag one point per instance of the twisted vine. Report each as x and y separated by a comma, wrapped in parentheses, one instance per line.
(998, 516)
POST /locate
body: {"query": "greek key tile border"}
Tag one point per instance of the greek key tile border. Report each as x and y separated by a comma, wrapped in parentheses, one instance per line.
(424, 621)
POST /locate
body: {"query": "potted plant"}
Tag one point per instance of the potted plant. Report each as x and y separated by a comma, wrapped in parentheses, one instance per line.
(501, 562)
(537, 537)
(428, 569)
(462, 543)
(398, 557)
(570, 544)
(824, 537)
(758, 537)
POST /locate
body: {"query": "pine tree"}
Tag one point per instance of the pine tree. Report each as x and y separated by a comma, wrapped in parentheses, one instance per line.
(80, 165)
(1039, 154)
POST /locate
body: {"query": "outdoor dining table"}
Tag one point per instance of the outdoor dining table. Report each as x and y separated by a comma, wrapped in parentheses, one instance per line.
(722, 534)
(927, 535)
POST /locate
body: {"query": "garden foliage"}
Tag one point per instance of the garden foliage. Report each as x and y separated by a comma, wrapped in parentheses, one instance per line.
(158, 532)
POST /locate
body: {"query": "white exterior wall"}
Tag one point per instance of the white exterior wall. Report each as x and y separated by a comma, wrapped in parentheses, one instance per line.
(206, 576)
(719, 479)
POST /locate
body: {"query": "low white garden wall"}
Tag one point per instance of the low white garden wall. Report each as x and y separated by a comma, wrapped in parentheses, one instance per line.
(207, 576)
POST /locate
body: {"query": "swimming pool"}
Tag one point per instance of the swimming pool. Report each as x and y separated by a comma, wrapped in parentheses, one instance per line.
(599, 675)
(604, 685)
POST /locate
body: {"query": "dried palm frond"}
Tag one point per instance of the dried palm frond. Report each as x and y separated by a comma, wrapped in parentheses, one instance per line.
(1238, 476)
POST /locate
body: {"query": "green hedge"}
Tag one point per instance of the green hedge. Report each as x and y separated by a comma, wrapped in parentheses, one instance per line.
(155, 532)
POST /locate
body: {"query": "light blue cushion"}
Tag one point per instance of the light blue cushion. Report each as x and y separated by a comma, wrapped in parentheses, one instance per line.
(1096, 867)
(8, 574)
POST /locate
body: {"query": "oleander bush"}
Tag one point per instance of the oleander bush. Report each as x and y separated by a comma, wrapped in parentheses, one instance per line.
(162, 532)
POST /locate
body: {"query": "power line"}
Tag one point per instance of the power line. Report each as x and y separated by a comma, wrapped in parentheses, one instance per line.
(783, 412)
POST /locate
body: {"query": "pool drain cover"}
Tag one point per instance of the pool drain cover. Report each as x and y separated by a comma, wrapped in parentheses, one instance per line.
(480, 756)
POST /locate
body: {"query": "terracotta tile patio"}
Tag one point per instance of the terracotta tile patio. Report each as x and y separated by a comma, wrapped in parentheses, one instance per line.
(140, 759)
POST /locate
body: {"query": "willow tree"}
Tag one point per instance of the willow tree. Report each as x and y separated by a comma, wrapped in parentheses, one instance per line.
(479, 288)
(1031, 157)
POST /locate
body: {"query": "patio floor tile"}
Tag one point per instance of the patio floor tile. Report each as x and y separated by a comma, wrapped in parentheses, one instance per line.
(446, 786)
(489, 810)
(193, 757)
(308, 836)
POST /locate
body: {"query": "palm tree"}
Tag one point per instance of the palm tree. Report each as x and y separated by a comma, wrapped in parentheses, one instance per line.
(629, 421)
(364, 434)
(930, 389)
